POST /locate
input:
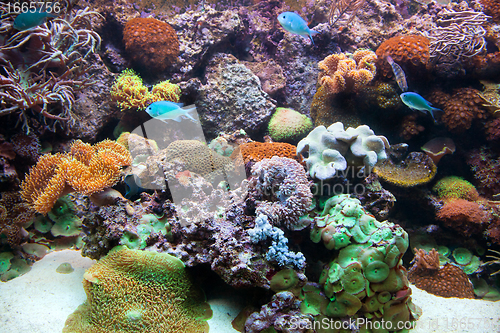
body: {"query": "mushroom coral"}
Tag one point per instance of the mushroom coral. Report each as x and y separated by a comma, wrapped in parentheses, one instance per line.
(139, 291)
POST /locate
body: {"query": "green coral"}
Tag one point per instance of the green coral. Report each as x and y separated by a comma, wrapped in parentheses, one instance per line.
(366, 278)
(454, 187)
(288, 125)
(148, 224)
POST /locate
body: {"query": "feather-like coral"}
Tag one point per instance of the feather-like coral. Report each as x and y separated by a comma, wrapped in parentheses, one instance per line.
(86, 169)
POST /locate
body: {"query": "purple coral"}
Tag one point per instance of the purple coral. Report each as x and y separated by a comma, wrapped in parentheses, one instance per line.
(282, 190)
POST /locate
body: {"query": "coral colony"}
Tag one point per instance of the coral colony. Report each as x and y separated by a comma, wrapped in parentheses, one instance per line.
(273, 144)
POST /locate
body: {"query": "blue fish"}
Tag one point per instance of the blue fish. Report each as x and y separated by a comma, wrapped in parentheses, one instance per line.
(295, 24)
(164, 110)
(28, 20)
(416, 102)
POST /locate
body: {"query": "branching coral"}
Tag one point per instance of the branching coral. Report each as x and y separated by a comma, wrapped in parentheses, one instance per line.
(56, 67)
(86, 169)
(343, 73)
(447, 281)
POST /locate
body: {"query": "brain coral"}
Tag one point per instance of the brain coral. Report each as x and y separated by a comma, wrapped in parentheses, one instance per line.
(342, 73)
(410, 51)
(288, 125)
(446, 281)
(328, 150)
(86, 169)
(131, 290)
(152, 44)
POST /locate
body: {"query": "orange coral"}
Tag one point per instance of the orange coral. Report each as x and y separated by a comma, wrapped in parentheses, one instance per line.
(492, 8)
(409, 127)
(257, 151)
(446, 281)
(14, 213)
(341, 73)
(465, 216)
(86, 169)
(151, 43)
(460, 109)
(412, 51)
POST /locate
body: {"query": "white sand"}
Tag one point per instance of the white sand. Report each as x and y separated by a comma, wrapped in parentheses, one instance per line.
(41, 300)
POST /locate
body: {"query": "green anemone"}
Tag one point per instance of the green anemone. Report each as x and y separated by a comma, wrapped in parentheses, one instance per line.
(462, 256)
(376, 271)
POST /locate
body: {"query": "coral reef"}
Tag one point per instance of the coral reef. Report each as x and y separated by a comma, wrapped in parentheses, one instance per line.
(282, 190)
(409, 127)
(329, 150)
(446, 281)
(151, 43)
(232, 98)
(288, 125)
(179, 305)
(85, 169)
(464, 216)
(341, 73)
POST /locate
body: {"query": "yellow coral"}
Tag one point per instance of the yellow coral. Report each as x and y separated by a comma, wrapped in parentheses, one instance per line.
(139, 291)
(416, 169)
(86, 169)
(342, 73)
(128, 92)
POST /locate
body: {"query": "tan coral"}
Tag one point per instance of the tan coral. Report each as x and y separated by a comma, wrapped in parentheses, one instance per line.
(86, 169)
(342, 73)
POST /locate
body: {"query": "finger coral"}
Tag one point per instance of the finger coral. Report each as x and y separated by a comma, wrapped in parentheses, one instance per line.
(446, 281)
(342, 73)
(86, 169)
(130, 290)
(152, 44)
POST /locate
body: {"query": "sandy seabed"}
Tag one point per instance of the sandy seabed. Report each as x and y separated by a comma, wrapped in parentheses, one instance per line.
(41, 300)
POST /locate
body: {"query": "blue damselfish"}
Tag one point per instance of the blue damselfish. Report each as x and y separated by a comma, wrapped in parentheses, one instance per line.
(295, 24)
(28, 20)
(165, 110)
(416, 102)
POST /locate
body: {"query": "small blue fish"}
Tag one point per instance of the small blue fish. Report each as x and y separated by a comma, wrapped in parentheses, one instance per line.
(164, 110)
(295, 24)
(399, 74)
(28, 20)
(416, 102)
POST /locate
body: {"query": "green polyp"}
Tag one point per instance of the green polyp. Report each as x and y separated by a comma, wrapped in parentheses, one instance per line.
(354, 267)
(392, 257)
(397, 314)
(66, 225)
(352, 208)
(402, 242)
(144, 231)
(349, 255)
(5, 258)
(371, 304)
(393, 283)
(322, 221)
(462, 256)
(332, 288)
(346, 221)
(472, 266)
(481, 287)
(133, 316)
(331, 204)
(313, 303)
(341, 239)
(358, 235)
(35, 249)
(386, 233)
(336, 309)
(42, 224)
(376, 237)
(316, 234)
(376, 271)
(131, 240)
(284, 280)
(63, 206)
(327, 235)
(370, 255)
(368, 224)
(335, 272)
(353, 282)
(384, 297)
(443, 250)
(351, 302)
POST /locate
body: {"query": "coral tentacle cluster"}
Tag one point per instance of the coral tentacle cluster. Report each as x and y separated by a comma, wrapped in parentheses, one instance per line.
(86, 169)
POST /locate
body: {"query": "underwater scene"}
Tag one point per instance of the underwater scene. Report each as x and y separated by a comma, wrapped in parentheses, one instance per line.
(298, 166)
